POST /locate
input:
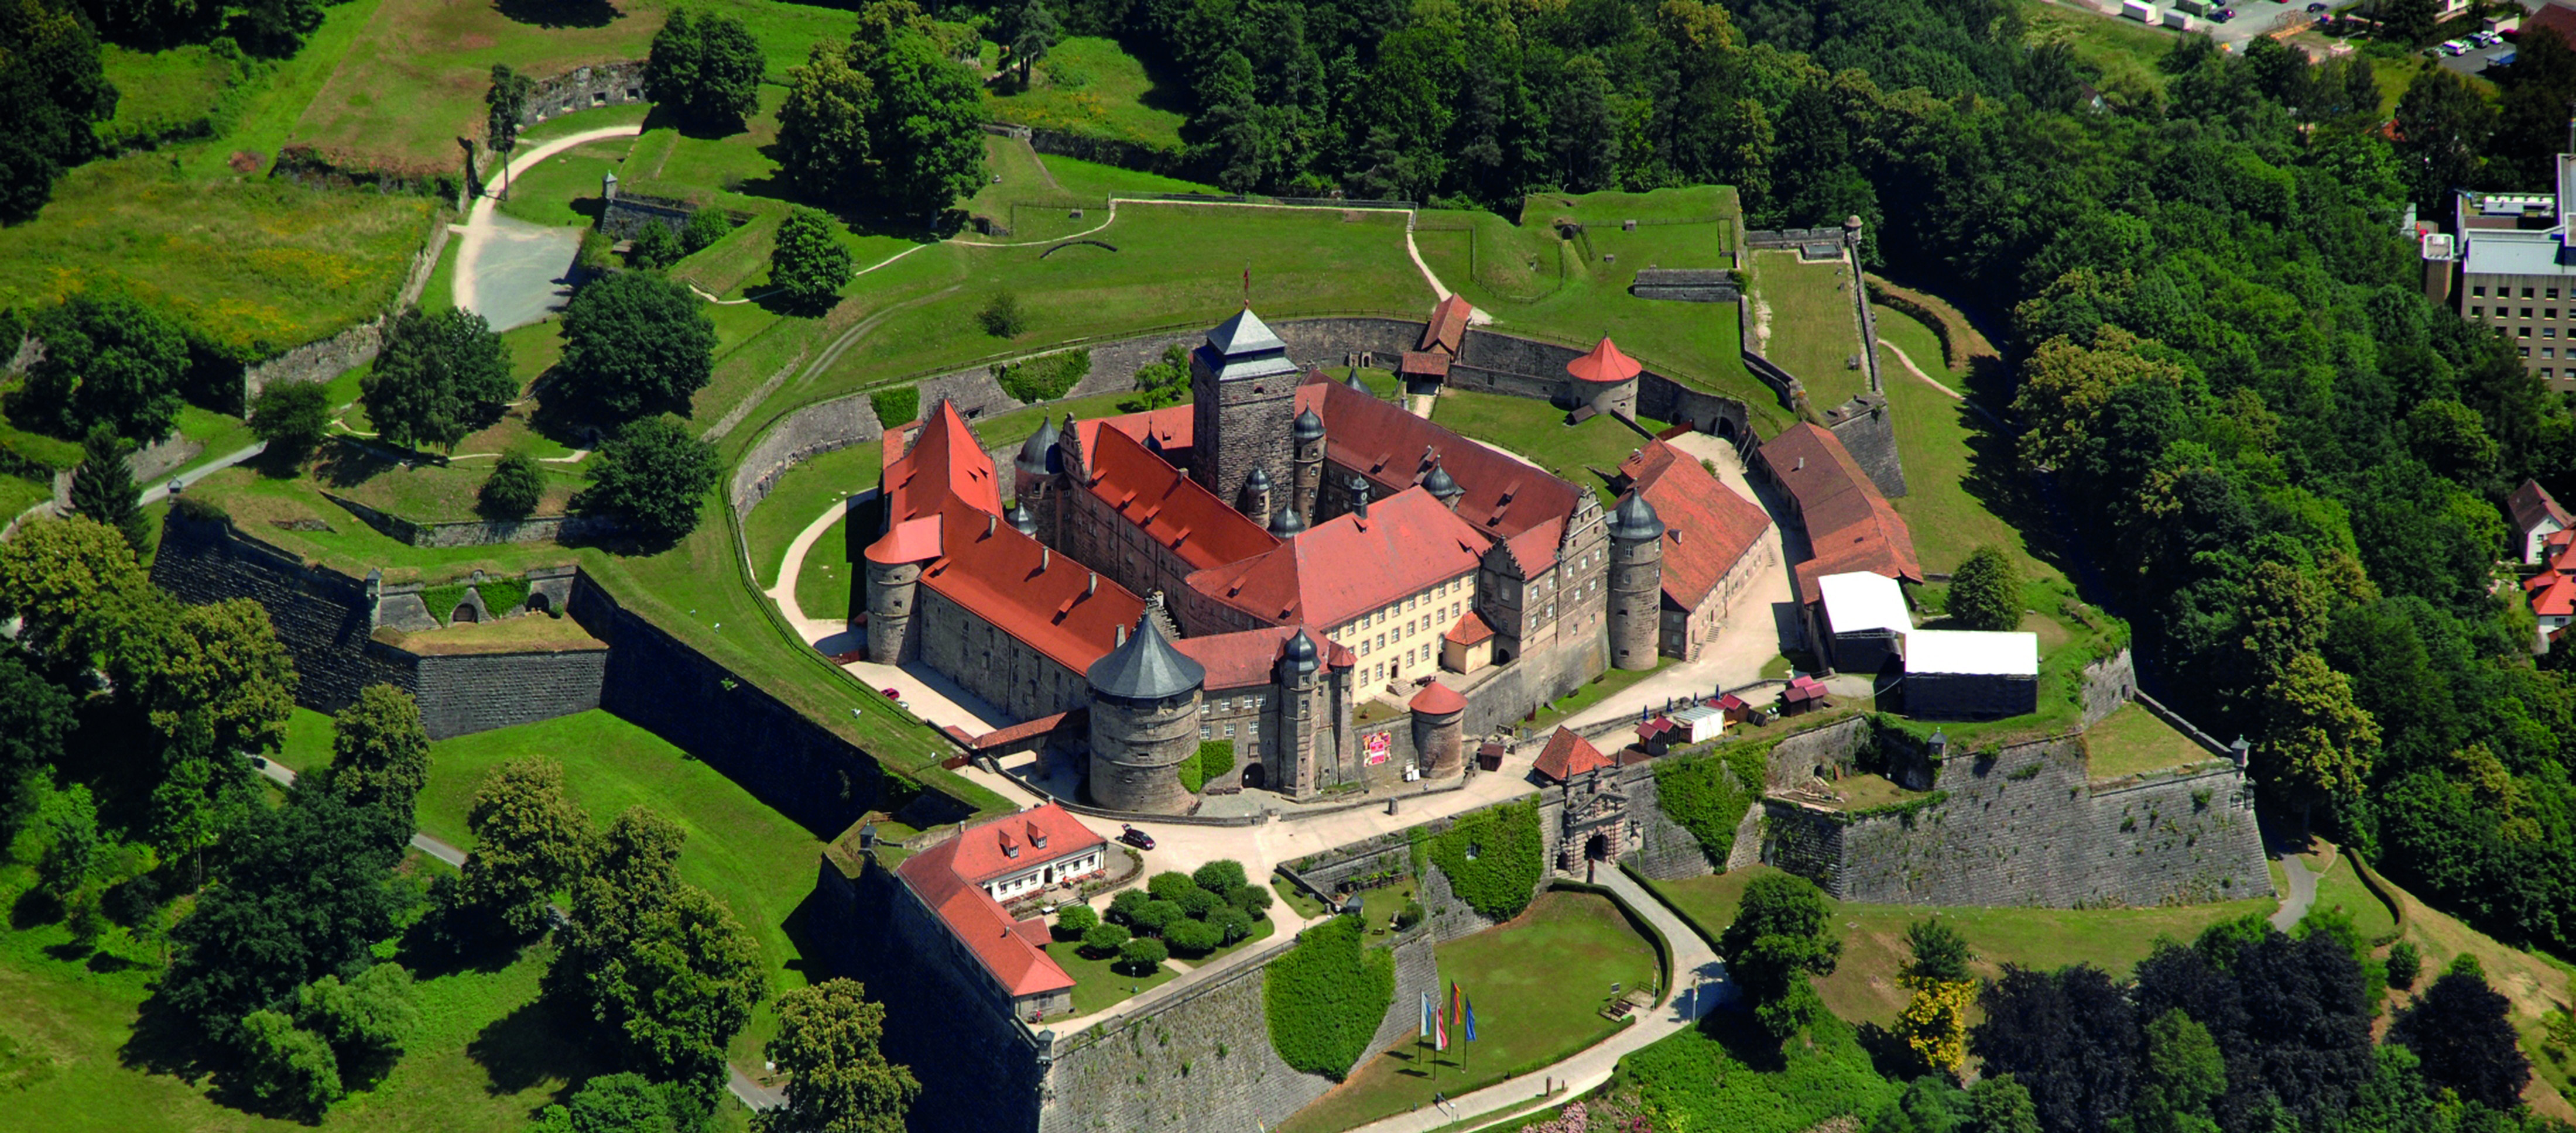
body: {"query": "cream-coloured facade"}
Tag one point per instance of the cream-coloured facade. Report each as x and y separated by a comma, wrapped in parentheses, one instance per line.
(1401, 640)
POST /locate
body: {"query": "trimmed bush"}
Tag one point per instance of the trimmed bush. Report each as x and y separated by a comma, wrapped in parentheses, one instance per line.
(2404, 964)
(1073, 922)
(1153, 917)
(1045, 379)
(1197, 903)
(1252, 899)
(1122, 908)
(1221, 877)
(1142, 955)
(1104, 940)
(1193, 938)
(1232, 924)
(1170, 885)
(898, 406)
(514, 489)
(1493, 858)
(1324, 998)
(1216, 757)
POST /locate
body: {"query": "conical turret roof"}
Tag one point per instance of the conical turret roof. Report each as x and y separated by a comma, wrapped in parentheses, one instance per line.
(1022, 519)
(1309, 426)
(1606, 363)
(1145, 666)
(1300, 652)
(1635, 519)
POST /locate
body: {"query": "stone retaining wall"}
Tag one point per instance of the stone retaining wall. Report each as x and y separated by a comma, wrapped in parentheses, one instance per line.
(1199, 1060)
(582, 88)
(467, 693)
(325, 359)
(479, 532)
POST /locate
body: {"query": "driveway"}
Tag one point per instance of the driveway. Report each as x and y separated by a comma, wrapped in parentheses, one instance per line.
(521, 272)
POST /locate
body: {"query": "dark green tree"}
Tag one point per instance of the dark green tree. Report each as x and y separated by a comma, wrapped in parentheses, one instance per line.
(2404, 964)
(1074, 920)
(514, 489)
(2463, 1031)
(52, 88)
(1985, 592)
(103, 489)
(292, 417)
(1781, 936)
(35, 718)
(1999, 1104)
(630, 1103)
(1104, 940)
(837, 1077)
(2408, 23)
(274, 28)
(652, 479)
(806, 264)
(705, 226)
(379, 751)
(660, 964)
(370, 1017)
(1940, 953)
(637, 343)
(1162, 383)
(67, 820)
(285, 1066)
(2442, 128)
(111, 361)
(505, 102)
(653, 247)
(530, 839)
(1033, 31)
(706, 69)
(437, 379)
(1141, 955)
(888, 120)
(1001, 315)
(2184, 1073)
(2069, 1037)
(308, 890)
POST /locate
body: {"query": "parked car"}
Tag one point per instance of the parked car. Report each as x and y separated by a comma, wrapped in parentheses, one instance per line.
(2319, 6)
(1135, 837)
(2222, 15)
(2453, 47)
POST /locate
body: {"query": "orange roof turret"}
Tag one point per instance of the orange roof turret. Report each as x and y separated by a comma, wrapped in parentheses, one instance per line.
(1604, 365)
(1437, 699)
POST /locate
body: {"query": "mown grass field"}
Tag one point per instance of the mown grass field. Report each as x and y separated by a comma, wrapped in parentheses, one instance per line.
(1587, 454)
(2132, 740)
(565, 189)
(827, 585)
(1960, 476)
(1815, 329)
(1087, 85)
(1863, 986)
(1538, 984)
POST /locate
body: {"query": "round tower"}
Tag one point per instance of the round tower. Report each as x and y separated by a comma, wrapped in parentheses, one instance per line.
(1439, 740)
(1308, 457)
(1255, 504)
(1299, 673)
(1636, 583)
(1606, 380)
(1144, 722)
(892, 586)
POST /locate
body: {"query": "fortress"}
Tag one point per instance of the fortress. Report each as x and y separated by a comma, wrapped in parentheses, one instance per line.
(1255, 566)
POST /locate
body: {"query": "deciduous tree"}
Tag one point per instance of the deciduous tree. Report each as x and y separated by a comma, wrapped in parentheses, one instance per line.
(286, 1066)
(637, 343)
(704, 68)
(652, 479)
(292, 417)
(35, 718)
(75, 586)
(1780, 936)
(530, 839)
(806, 263)
(514, 489)
(109, 360)
(369, 1017)
(505, 102)
(308, 891)
(52, 88)
(837, 1077)
(1985, 592)
(659, 963)
(438, 378)
(379, 751)
(2463, 1031)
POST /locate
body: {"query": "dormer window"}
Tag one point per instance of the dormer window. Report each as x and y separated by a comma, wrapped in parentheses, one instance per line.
(1010, 849)
(1037, 837)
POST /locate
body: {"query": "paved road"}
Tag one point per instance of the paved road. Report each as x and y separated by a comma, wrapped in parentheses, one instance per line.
(480, 228)
(2303, 892)
(1699, 974)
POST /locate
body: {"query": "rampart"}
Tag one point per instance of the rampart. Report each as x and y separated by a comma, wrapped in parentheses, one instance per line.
(600, 84)
(478, 532)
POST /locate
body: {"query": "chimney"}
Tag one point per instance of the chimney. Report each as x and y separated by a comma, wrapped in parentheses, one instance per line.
(990, 522)
(1046, 557)
(1092, 585)
(1802, 465)
(1120, 638)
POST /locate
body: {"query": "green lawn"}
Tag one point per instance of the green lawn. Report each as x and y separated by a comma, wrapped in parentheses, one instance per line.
(2132, 740)
(564, 189)
(1297, 899)
(1863, 986)
(1960, 476)
(2342, 888)
(755, 861)
(1607, 684)
(159, 93)
(1728, 1075)
(1096, 986)
(1089, 179)
(18, 495)
(1586, 454)
(1815, 330)
(2125, 51)
(825, 585)
(1087, 85)
(705, 160)
(255, 264)
(1538, 984)
(800, 495)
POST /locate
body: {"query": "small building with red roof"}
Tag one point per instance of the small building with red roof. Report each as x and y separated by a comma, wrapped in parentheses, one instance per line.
(2536, 516)
(1568, 756)
(962, 883)
(1605, 380)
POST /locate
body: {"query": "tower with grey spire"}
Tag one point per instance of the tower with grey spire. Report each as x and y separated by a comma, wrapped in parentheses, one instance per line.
(1636, 583)
(1308, 484)
(1243, 397)
(1144, 721)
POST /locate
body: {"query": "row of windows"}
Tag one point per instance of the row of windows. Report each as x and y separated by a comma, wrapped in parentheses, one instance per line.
(1249, 703)
(2479, 291)
(1251, 730)
(2508, 312)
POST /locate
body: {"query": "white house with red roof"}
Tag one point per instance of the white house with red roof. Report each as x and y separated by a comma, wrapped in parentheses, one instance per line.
(2536, 517)
(963, 881)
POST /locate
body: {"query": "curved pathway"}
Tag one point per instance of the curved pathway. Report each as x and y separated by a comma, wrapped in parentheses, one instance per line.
(479, 223)
(2303, 892)
(1700, 983)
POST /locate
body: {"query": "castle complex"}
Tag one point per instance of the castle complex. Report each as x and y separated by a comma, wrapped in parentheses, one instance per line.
(1256, 565)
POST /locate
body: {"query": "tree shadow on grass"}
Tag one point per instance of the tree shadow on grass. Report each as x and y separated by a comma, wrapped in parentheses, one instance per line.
(32, 910)
(342, 464)
(665, 118)
(536, 1043)
(163, 1041)
(560, 13)
(1888, 1054)
(1744, 1039)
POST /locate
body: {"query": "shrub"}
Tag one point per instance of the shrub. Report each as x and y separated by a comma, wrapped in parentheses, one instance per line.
(1198, 903)
(502, 595)
(1252, 899)
(1985, 592)
(1104, 940)
(514, 489)
(2404, 964)
(1504, 873)
(1142, 955)
(1044, 379)
(1216, 757)
(292, 417)
(597, 255)
(1324, 998)
(1169, 885)
(1709, 794)
(109, 360)
(1073, 922)
(1152, 917)
(1231, 923)
(898, 406)
(1193, 938)
(442, 600)
(653, 247)
(1122, 908)
(705, 226)
(1002, 317)
(1408, 916)
(1222, 876)
(1192, 773)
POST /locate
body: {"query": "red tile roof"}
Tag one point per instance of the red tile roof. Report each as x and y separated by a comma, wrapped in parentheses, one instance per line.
(1707, 526)
(1604, 365)
(1050, 602)
(1448, 325)
(1424, 363)
(1803, 688)
(1165, 503)
(1850, 526)
(982, 852)
(2558, 18)
(2555, 597)
(1171, 427)
(1535, 549)
(1234, 660)
(2530, 504)
(911, 541)
(1471, 628)
(1395, 450)
(1347, 565)
(1071, 721)
(1437, 699)
(931, 461)
(1006, 947)
(1568, 755)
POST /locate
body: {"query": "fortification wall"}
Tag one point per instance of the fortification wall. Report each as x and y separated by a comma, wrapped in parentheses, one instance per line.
(320, 616)
(1663, 849)
(478, 532)
(460, 695)
(1869, 432)
(2108, 684)
(1200, 1060)
(798, 767)
(600, 84)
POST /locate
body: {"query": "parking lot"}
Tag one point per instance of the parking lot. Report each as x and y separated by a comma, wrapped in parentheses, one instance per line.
(2477, 59)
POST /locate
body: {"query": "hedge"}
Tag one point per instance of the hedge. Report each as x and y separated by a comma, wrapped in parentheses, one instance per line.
(1044, 379)
(1709, 794)
(1510, 857)
(1216, 757)
(896, 407)
(442, 600)
(1326, 996)
(502, 595)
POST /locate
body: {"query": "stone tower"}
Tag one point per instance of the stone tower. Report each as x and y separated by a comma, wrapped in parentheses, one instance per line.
(1033, 479)
(893, 584)
(1244, 394)
(1300, 677)
(1144, 722)
(1605, 380)
(1255, 504)
(1309, 445)
(1439, 743)
(1636, 583)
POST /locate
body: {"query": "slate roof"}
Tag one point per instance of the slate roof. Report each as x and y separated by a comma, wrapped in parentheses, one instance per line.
(1243, 347)
(1708, 527)
(1347, 565)
(1568, 755)
(1850, 526)
(2530, 504)
(1634, 518)
(1145, 667)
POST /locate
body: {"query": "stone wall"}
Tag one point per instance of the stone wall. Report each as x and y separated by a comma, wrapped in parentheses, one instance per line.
(825, 426)
(601, 84)
(320, 616)
(1200, 1060)
(2024, 827)
(328, 358)
(1866, 426)
(479, 532)
(1003, 670)
(1662, 849)
(621, 217)
(1664, 399)
(1124, 155)
(2108, 684)
(798, 767)
(467, 693)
